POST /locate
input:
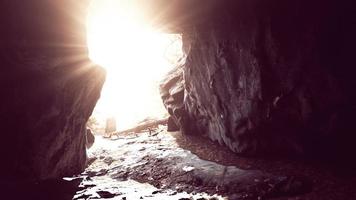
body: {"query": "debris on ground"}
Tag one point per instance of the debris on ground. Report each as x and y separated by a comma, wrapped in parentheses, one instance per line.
(154, 166)
(148, 125)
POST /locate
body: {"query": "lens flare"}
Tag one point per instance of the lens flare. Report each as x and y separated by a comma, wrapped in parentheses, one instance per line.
(135, 58)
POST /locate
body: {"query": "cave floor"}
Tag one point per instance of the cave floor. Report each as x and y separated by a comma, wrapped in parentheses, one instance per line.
(154, 166)
(167, 165)
(164, 165)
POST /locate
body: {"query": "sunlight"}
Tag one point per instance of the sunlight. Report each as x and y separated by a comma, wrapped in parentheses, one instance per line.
(135, 58)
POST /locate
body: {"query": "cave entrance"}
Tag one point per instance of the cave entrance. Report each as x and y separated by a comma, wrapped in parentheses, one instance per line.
(136, 58)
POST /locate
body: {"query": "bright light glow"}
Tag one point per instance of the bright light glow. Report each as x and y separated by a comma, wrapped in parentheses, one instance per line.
(135, 58)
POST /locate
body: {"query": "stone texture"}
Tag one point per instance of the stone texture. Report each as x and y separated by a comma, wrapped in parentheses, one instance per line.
(172, 94)
(90, 138)
(273, 77)
(48, 88)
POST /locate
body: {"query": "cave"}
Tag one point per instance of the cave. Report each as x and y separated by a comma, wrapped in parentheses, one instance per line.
(260, 104)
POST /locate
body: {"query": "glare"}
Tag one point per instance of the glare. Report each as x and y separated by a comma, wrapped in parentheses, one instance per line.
(135, 58)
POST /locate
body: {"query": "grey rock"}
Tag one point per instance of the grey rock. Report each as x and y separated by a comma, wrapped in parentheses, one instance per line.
(260, 79)
(172, 94)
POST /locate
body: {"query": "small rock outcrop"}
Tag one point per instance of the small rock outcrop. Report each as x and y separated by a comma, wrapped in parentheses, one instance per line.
(172, 94)
(90, 138)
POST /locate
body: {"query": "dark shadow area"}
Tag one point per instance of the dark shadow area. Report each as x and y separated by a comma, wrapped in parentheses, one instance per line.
(45, 190)
(320, 178)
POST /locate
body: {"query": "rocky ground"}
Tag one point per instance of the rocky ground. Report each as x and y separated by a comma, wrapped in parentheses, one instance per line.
(155, 166)
(161, 165)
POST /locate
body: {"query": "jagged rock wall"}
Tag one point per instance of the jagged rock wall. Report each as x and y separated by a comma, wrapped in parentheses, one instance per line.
(273, 76)
(49, 88)
(172, 93)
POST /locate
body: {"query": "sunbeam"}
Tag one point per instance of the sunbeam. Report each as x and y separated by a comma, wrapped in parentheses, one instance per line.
(135, 57)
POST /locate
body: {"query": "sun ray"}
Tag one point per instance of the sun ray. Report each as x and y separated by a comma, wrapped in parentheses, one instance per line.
(134, 56)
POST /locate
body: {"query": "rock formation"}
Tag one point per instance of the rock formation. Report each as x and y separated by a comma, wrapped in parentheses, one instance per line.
(90, 138)
(49, 88)
(172, 94)
(270, 76)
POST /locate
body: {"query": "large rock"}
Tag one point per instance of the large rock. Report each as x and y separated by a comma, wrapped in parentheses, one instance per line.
(48, 88)
(272, 76)
(172, 93)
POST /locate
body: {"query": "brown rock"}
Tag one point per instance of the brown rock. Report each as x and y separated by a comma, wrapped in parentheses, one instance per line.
(49, 88)
(90, 138)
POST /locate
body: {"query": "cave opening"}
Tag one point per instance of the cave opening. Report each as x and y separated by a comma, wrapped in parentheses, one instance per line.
(263, 98)
(136, 57)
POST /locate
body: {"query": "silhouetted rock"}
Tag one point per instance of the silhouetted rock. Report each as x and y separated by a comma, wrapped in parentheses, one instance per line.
(90, 139)
(49, 88)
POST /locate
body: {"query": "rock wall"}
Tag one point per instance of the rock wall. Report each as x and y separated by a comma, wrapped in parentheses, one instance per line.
(172, 94)
(273, 76)
(49, 88)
